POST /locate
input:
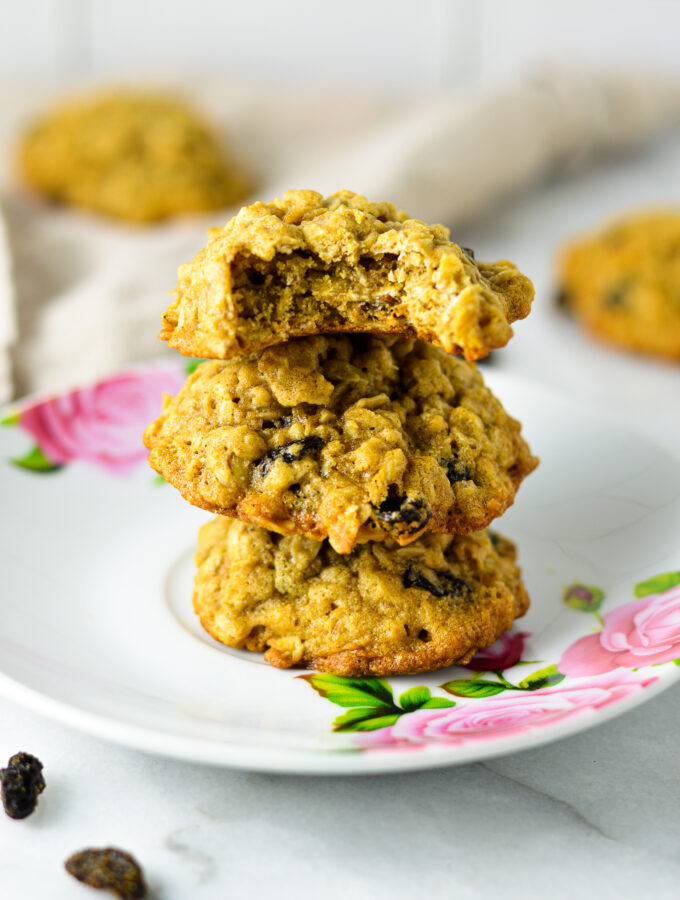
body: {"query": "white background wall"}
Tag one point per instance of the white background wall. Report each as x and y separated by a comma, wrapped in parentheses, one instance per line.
(399, 46)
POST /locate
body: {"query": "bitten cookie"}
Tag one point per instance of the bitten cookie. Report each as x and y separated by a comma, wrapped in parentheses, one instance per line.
(380, 610)
(350, 437)
(623, 282)
(132, 156)
(312, 265)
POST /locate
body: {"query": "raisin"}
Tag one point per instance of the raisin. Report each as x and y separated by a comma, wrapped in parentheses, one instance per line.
(404, 514)
(372, 308)
(617, 296)
(108, 868)
(297, 449)
(378, 306)
(446, 585)
(412, 577)
(21, 782)
(456, 470)
(290, 452)
(495, 540)
(283, 422)
(562, 298)
(468, 252)
(455, 587)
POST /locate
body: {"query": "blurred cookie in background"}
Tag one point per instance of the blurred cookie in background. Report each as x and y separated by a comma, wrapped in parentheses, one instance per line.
(135, 156)
(623, 282)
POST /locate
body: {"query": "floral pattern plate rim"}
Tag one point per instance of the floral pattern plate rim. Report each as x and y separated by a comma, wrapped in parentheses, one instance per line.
(97, 628)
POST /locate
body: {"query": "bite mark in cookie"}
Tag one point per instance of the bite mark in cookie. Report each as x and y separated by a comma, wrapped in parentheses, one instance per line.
(313, 265)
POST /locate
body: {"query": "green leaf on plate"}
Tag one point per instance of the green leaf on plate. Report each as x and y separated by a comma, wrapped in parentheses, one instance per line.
(192, 365)
(677, 662)
(352, 691)
(11, 418)
(438, 703)
(374, 724)
(584, 597)
(657, 585)
(542, 678)
(477, 688)
(36, 461)
(355, 719)
(158, 479)
(414, 698)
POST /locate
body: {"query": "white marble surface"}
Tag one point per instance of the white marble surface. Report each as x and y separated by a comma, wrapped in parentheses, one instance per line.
(596, 815)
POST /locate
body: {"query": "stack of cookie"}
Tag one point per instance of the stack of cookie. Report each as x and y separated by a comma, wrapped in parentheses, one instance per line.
(354, 461)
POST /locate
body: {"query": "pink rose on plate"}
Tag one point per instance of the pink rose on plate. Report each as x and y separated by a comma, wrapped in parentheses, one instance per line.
(506, 714)
(102, 424)
(640, 633)
(504, 654)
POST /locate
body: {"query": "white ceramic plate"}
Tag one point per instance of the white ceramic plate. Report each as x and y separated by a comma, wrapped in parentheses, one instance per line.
(96, 627)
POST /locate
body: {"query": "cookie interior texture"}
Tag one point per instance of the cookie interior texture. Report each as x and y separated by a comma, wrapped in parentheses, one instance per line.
(132, 156)
(350, 437)
(623, 282)
(381, 610)
(308, 265)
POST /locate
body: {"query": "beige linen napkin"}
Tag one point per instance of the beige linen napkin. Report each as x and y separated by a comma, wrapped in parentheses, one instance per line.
(8, 329)
(86, 294)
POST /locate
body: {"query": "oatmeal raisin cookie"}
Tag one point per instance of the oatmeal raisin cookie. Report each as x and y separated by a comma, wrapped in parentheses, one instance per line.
(350, 437)
(623, 283)
(308, 265)
(381, 610)
(132, 156)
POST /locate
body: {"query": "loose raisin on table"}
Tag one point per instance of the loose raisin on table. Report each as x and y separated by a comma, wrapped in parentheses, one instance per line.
(21, 782)
(447, 585)
(403, 514)
(110, 869)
